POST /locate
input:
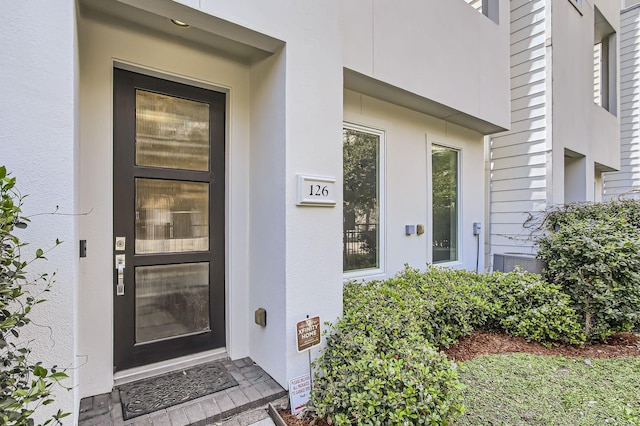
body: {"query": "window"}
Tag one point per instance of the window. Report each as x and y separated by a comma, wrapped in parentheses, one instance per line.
(362, 153)
(445, 194)
(604, 64)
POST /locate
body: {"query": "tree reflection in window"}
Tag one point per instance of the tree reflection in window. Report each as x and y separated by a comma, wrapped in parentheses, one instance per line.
(445, 204)
(361, 226)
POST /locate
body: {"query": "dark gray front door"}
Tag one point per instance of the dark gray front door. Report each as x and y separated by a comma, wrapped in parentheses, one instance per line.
(168, 200)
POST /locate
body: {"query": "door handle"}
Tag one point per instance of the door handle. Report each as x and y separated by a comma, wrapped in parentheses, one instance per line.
(120, 263)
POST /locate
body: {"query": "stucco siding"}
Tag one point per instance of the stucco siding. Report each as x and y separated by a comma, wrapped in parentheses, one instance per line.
(443, 40)
(38, 146)
(407, 163)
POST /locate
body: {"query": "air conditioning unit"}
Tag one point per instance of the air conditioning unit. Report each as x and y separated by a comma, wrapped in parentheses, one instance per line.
(507, 262)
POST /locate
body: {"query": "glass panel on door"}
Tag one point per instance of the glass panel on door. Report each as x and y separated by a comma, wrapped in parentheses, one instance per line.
(171, 216)
(171, 300)
(171, 132)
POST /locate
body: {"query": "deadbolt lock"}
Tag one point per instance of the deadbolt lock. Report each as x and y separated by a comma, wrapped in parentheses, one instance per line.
(121, 243)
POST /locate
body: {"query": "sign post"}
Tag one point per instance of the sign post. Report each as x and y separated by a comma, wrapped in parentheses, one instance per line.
(307, 336)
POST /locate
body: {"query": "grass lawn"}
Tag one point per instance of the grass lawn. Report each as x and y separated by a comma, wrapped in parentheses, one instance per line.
(524, 389)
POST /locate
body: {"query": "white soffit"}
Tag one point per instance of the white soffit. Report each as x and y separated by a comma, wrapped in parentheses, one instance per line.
(223, 37)
(369, 86)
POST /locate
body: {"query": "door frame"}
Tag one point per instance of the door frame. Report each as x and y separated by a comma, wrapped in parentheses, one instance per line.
(124, 81)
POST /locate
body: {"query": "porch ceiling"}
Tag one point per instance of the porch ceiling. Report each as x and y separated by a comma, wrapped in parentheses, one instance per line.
(225, 38)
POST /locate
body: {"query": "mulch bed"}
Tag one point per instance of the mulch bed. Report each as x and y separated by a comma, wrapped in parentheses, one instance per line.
(485, 343)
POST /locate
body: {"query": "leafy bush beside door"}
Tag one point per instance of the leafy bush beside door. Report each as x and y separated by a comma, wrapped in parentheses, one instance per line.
(24, 385)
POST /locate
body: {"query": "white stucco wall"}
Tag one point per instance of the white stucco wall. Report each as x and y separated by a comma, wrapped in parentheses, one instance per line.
(449, 52)
(297, 266)
(313, 117)
(267, 240)
(38, 146)
(409, 136)
(578, 123)
(626, 179)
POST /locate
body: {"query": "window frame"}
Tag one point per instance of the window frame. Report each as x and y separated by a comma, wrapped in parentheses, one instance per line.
(381, 267)
(459, 151)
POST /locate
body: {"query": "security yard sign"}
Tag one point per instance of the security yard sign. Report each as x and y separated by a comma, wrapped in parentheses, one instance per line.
(308, 333)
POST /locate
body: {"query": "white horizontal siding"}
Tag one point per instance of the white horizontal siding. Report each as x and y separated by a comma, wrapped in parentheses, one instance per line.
(510, 138)
(597, 57)
(531, 123)
(628, 127)
(534, 182)
(519, 172)
(511, 217)
(519, 156)
(528, 101)
(628, 178)
(519, 161)
(524, 33)
(629, 85)
(520, 195)
(525, 10)
(630, 162)
(523, 149)
(629, 119)
(528, 90)
(527, 113)
(521, 246)
(535, 52)
(518, 206)
(631, 174)
(513, 230)
(628, 57)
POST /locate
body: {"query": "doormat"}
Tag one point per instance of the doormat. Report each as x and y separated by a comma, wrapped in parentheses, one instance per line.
(156, 393)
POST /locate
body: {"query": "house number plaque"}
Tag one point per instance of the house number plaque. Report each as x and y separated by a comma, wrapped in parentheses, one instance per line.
(316, 191)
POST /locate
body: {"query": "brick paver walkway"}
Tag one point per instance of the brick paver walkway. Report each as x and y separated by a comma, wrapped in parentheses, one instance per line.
(255, 388)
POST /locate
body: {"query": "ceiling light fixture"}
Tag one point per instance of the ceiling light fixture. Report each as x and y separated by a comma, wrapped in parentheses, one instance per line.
(180, 23)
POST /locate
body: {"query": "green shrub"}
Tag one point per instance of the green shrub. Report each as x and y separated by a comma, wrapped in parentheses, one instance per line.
(365, 380)
(458, 298)
(380, 365)
(440, 304)
(596, 261)
(24, 385)
(628, 210)
(524, 305)
(519, 303)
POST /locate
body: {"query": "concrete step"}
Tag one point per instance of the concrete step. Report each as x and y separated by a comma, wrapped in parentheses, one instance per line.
(254, 391)
(257, 417)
